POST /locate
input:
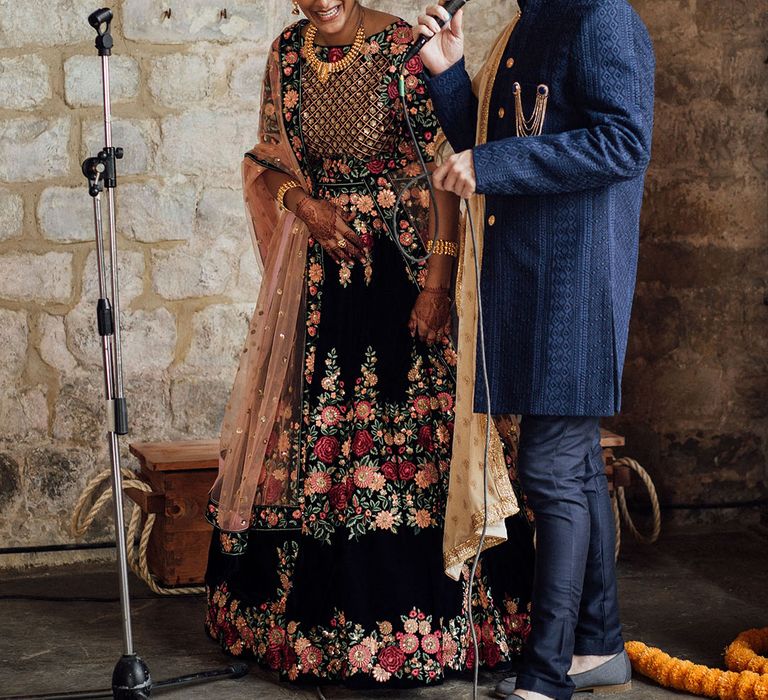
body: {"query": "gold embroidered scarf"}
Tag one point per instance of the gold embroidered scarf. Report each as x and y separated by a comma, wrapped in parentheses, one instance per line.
(465, 507)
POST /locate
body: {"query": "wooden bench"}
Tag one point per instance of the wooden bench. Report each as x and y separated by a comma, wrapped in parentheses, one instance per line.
(181, 475)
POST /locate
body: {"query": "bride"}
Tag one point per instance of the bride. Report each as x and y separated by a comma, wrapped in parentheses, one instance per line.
(326, 563)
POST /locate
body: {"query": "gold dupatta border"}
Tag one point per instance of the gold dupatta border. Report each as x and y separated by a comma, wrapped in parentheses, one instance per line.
(465, 512)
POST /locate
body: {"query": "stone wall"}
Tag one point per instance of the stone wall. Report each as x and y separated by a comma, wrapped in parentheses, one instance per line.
(185, 94)
(696, 387)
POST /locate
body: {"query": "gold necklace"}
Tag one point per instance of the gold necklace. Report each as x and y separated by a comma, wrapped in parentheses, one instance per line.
(324, 69)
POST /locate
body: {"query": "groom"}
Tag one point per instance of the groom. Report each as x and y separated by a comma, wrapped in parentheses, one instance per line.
(565, 120)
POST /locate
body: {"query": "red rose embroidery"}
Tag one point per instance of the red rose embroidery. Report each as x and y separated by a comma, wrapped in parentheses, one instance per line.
(290, 656)
(362, 443)
(327, 449)
(402, 35)
(389, 470)
(339, 494)
(273, 657)
(391, 659)
(367, 240)
(407, 470)
(425, 438)
(492, 655)
(376, 166)
(393, 91)
(336, 54)
(231, 634)
(414, 66)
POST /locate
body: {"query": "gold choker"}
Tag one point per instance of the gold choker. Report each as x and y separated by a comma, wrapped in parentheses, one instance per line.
(324, 69)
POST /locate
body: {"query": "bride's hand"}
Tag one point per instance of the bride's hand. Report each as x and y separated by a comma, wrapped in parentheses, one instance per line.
(431, 315)
(328, 228)
(447, 47)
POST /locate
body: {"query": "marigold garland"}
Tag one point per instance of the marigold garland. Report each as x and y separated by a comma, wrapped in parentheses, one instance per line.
(746, 679)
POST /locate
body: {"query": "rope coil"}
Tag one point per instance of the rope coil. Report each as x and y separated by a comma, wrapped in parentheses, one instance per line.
(137, 548)
(621, 511)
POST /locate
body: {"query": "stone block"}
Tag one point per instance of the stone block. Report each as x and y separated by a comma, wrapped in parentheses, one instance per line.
(24, 413)
(65, 214)
(218, 335)
(155, 211)
(712, 466)
(196, 20)
(737, 18)
(149, 342)
(245, 83)
(130, 276)
(220, 218)
(39, 278)
(10, 478)
(14, 334)
(24, 82)
(34, 148)
(671, 391)
(180, 80)
(82, 80)
(53, 344)
(725, 212)
(204, 141)
(52, 473)
(657, 327)
(139, 139)
(149, 410)
(80, 413)
(198, 406)
(192, 270)
(11, 214)
(55, 23)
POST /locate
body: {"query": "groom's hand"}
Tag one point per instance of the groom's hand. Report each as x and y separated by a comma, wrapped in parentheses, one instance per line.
(457, 175)
(447, 47)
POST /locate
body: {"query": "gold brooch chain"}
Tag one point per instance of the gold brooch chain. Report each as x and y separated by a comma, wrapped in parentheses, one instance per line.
(535, 125)
(324, 69)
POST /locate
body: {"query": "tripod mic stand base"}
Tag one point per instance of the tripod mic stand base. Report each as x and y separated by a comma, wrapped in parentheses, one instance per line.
(131, 679)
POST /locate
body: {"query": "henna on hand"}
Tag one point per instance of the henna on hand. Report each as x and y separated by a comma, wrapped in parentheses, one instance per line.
(328, 228)
(431, 315)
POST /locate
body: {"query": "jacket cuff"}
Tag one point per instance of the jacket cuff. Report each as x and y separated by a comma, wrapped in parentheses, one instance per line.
(448, 81)
(492, 169)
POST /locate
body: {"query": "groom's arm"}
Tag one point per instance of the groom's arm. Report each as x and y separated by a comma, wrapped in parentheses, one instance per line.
(615, 77)
(455, 105)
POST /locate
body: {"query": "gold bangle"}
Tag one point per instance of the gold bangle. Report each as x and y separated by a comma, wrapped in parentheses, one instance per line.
(284, 188)
(441, 247)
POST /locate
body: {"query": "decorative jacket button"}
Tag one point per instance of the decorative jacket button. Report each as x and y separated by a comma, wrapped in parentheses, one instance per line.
(502, 112)
(491, 220)
(510, 62)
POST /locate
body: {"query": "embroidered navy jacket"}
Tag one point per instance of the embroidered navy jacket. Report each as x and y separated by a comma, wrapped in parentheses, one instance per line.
(563, 208)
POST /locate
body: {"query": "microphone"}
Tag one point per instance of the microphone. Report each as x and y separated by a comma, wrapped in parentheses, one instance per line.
(452, 7)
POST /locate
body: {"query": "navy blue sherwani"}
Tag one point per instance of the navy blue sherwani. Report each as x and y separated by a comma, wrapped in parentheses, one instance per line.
(563, 208)
(559, 263)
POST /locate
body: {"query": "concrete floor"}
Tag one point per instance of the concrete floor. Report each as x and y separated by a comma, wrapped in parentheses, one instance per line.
(691, 594)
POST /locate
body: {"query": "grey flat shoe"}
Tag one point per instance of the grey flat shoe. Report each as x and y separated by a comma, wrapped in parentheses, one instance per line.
(614, 676)
(506, 687)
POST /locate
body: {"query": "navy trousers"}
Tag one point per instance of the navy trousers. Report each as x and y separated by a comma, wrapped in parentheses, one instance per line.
(575, 603)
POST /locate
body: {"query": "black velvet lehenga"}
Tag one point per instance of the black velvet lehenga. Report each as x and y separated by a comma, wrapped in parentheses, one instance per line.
(347, 582)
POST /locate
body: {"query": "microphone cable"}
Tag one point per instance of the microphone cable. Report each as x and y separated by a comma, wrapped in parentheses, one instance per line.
(426, 176)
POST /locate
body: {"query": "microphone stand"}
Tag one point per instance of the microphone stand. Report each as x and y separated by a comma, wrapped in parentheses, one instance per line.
(131, 678)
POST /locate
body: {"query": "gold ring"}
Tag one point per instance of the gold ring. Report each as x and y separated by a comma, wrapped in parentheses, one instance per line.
(341, 243)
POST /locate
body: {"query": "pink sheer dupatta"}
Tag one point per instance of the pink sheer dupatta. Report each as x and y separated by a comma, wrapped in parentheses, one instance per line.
(260, 444)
